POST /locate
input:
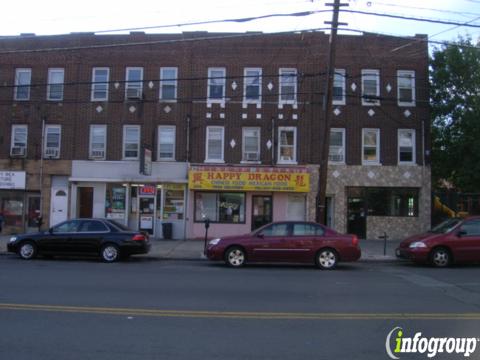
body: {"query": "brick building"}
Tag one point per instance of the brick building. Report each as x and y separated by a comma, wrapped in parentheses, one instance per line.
(227, 127)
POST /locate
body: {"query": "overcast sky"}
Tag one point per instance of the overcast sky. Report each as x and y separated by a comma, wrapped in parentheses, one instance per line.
(44, 17)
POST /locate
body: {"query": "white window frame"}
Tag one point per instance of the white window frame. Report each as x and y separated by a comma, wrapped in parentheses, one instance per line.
(12, 142)
(244, 157)
(410, 74)
(134, 84)
(169, 81)
(279, 147)
(341, 74)
(207, 138)
(47, 149)
(246, 79)
(342, 130)
(368, 74)
(96, 83)
(124, 143)
(224, 83)
(90, 145)
(282, 72)
(18, 86)
(377, 147)
(165, 127)
(51, 84)
(414, 158)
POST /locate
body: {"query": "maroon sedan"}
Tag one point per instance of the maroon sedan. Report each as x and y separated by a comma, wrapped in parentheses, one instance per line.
(453, 241)
(293, 242)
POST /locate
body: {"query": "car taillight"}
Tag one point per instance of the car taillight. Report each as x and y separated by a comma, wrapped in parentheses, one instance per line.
(139, 237)
(354, 240)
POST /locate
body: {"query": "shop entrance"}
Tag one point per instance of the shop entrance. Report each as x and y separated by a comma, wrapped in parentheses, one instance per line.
(146, 209)
(85, 202)
(33, 206)
(262, 211)
(357, 219)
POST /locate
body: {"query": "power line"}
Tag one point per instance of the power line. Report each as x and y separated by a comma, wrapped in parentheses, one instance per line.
(428, 9)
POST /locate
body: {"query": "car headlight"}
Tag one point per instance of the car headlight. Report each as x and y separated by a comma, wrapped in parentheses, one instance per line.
(417, 244)
(13, 238)
(214, 241)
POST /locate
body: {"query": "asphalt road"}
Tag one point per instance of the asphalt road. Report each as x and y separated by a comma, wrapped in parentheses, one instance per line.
(143, 309)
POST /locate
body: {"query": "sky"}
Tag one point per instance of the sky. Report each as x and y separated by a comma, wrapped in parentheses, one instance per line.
(47, 17)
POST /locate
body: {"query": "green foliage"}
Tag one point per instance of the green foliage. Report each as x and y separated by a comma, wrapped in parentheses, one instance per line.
(455, 102)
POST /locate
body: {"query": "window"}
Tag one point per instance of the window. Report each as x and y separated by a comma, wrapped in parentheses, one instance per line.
(305, 229)
(275, 230)
(19, 140)
(134, 83)
(471, 227)
(371, 146)
(23, 78)
(296, 207)
(216, 84)
(168, 83)
(98, 142)
(55, 84)
(70, 226)
(166, 143)
(220, 207)
(337, 146)
(251, 144)
(288, 86)
(93, 226)
(370, 87)
(52, 141)
(406, 146)
(215, 144)
(100, 79)
(287, 144)
(252, 85)
(339, 87)
(406, 88)
(131, 142)
(392, 201)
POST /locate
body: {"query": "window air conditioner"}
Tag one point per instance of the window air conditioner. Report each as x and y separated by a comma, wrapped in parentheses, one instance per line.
(251, 156)
(134, 93)
(97, 154)
(51, 152)
(18, 151)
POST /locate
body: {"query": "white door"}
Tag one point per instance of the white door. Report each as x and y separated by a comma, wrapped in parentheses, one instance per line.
(58, 206)
(296, 207)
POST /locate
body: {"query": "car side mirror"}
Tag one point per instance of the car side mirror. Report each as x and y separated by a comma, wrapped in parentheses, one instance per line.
(461, 233)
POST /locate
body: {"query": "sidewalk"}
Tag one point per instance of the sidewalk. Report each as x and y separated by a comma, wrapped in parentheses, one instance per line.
(186, 249)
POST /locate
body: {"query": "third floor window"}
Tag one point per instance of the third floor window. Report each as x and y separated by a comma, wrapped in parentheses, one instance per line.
(338, 96)
(288, 86)
(216, 84)
(55, 84)
(100, 78)
(23, 79)
(406, 88)
(252, 88)
(168, 83)
(370, 87)
(134, 83)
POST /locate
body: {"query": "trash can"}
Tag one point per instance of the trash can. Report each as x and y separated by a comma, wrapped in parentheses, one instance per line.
(167, 230)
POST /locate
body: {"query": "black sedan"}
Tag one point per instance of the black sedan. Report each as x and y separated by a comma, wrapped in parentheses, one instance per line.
(100, 237)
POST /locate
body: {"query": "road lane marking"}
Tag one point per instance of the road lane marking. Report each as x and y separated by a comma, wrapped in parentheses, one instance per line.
(238, 315)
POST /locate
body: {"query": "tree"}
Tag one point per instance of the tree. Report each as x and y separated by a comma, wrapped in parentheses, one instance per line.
(455, 102)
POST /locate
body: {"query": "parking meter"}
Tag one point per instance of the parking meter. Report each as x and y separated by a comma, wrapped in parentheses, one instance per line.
(207, 225)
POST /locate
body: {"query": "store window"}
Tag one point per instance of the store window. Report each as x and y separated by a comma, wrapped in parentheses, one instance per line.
(173, 208)
(220, 207)
(12, 207)
(115, 200)
(392, 201)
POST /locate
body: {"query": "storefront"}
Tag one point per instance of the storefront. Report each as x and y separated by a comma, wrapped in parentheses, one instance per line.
(19, 207)
(115, 190)
(238, 200)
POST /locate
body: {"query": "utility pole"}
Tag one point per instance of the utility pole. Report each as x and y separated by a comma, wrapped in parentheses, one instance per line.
(327, 109)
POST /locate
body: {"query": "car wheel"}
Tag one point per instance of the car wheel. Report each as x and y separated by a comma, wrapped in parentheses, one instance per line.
(235, 257)
(327, 259)
(440, 257)
(27, 250)
(110, 253)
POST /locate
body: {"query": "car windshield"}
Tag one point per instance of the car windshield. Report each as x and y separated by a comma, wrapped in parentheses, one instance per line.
(118, 226)
(445, 226)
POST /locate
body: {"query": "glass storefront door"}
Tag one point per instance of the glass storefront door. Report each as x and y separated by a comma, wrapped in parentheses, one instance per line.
(262, 211)
(33, 206)
(146, 217)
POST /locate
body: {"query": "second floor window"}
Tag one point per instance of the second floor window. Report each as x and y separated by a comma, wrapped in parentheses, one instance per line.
(251, 144)
(131, 142)
(406, 146)
(23, 78)
(19, 140)
(252, 88)
(134, 83)
(370, 87)
(100, 78)
(406, 88)
(337, 146)
(214, 144)
(52, 141)
(98, 142)
(166, 143)
(168, 83)
(338, 96)
(216, 84)
(371, 146)
(288, 86)
(55, 84)
(287, 145)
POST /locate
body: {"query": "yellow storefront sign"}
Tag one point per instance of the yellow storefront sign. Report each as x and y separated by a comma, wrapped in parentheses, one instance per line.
(249, 179)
